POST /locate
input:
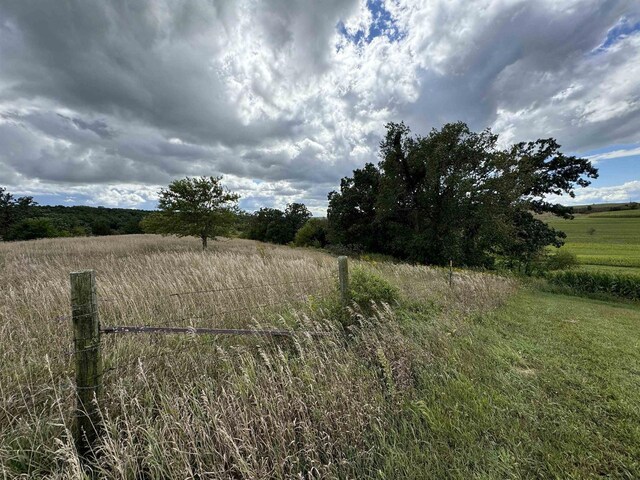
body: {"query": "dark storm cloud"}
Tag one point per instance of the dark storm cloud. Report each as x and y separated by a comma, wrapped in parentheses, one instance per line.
(98, 127)
(285, 98)
(126, 59)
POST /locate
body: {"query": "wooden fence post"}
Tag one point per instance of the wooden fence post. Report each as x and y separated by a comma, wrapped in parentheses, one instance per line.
(450, 273)
(343, 275)
(86, 339)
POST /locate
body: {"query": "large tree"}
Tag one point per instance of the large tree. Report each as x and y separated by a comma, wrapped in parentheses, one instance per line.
(454, 194)
(268, 225)
(12, 210)
(275, 226)
(199, 207)
(352, 212)
(296, 215)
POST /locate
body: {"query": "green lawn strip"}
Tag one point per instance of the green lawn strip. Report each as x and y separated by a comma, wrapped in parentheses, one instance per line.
(548, 386)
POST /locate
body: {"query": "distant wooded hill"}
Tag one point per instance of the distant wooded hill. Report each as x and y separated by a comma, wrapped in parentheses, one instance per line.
(606, 207)
(83, 220)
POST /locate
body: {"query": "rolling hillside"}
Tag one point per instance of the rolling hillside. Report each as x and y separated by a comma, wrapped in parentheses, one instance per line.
(607, 241)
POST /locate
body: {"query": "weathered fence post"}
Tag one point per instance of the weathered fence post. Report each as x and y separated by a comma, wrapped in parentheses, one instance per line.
(450, 273)
(86, 339)
(343, 275)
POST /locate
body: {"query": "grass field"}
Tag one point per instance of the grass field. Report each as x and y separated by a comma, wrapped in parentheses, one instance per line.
(546, 387)
(484, 380)
(610, 240)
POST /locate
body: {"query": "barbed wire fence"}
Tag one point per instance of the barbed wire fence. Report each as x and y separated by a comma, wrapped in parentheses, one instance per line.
(88, 342)
(89, 335)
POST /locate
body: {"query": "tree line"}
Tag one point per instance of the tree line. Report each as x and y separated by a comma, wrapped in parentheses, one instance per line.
(21, 218)
(452, 195)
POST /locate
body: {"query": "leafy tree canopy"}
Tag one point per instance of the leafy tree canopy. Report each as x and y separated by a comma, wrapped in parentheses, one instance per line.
(12, 210)
(312, 234)
(82, 220)
(32, 228)
(455, 195)
(200, 207)
(275, 226)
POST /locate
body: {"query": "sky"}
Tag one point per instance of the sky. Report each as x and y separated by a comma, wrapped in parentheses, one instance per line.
(103, 103)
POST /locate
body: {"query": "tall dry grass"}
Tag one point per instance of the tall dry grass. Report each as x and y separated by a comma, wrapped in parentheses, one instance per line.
(213, 407)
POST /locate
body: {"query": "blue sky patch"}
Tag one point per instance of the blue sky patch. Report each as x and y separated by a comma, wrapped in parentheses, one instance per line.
(383, 24)
(619, 31)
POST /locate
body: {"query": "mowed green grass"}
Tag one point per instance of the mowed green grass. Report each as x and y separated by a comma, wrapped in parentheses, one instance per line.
(546, 387)
(606, 239)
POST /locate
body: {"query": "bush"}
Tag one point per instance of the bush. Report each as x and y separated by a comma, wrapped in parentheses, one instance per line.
(561, 260)
(619, 285)
(312, 234)
(366, 287)
(79, 231)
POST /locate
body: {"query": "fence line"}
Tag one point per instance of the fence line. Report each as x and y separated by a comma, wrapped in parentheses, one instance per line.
(266, 285)
(76, 351)
(248, 308)
(203, 331)
(87, 342)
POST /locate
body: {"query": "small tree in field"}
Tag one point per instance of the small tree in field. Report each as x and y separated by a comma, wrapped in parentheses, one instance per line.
(193, 207)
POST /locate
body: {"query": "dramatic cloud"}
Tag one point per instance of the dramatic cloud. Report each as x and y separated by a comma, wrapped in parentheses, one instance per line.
(102, 102)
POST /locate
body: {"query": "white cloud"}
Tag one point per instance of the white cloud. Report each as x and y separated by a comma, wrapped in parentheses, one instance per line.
(628, 191)
(630, 152)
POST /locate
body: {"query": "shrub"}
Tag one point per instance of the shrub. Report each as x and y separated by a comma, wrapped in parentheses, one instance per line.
(619, 285)
(275, 226)
(561, 260)
(312, 234)
(366, 287)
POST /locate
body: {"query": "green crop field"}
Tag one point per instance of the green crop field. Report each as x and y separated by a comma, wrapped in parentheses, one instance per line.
(604, 241)
(619, 214)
